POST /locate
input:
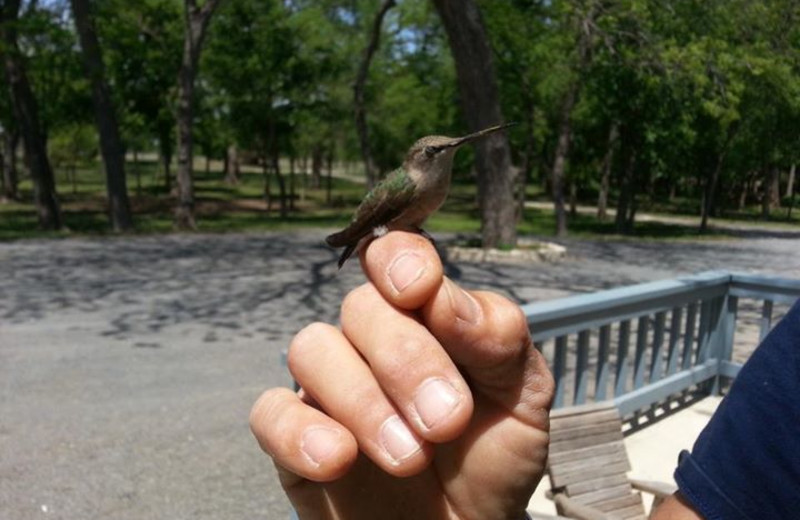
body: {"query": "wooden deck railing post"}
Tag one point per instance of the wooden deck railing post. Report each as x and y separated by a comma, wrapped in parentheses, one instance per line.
(727, 330)
(693, 322)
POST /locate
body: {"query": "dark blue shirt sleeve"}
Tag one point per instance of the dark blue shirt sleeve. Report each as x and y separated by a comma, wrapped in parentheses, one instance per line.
(746, 462)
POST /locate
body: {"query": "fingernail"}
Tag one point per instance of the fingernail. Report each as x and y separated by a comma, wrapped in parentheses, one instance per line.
(435, 401)
(397, 439)
(464, 306)
(405, 270)
(318, 444)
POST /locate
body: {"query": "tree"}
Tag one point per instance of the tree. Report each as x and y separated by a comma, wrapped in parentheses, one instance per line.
(583, 20)
(196, 20)
(258, 89)
(8, 156)
(358, 93)
(9, 136)
(480, 103)
(105, 119)
(26, 112)
(143, 53)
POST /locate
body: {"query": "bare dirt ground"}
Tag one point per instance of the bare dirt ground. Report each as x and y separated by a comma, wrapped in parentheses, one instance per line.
(128, 365)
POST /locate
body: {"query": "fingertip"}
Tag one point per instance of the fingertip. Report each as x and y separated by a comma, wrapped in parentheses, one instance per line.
(301, 439)
(405, 268)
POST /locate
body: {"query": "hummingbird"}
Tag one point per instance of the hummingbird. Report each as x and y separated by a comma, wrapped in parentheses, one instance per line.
(408, 195)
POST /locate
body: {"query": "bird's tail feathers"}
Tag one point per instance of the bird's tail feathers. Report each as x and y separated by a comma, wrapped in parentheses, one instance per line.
(346, 254)
(337, 239)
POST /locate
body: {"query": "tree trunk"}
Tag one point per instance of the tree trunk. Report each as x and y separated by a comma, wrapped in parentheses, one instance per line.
(26, 113)
(584, 43)
(774, 188)
(605, 178)
(359, 104)
(138, 172)
(711, 189)
(104, 114)
(267, 190)
(316, 166)
(9, 166)
(560, 160)
(528, 152)
(274, 158)
(196, 21)
(284, 202)
(790, 192)
(480, 100)
(625, 203)
(232, 166)
(747, 188)
(292, 182)
(573, 197)
(329, 187)
(771, 190)
(165, 154)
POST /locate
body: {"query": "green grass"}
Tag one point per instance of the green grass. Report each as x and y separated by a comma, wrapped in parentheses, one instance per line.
(226, 208)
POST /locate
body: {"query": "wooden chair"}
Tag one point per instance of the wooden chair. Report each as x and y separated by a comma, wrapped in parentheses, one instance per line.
(588, 466)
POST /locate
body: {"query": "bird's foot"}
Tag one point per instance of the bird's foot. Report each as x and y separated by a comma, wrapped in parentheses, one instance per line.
(379, 231)
(426, 235)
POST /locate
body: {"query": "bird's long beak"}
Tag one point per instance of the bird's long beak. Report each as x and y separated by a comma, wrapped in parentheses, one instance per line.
(458, 141)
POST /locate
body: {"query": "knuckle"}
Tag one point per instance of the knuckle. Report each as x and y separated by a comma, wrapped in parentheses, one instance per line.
(356, 301)
(400, 356)
(306, 341)
(509, 320)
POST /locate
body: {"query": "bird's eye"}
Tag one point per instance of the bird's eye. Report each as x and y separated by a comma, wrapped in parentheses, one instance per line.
(430, 151)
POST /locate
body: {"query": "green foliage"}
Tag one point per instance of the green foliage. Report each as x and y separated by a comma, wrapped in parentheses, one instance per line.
(73, 146)
(693, 88)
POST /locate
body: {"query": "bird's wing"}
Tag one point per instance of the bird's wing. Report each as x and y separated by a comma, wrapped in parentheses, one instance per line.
(381, 205)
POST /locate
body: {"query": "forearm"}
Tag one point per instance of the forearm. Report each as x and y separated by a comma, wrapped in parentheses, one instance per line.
(675, 507)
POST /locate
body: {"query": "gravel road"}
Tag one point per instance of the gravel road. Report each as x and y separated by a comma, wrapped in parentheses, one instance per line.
(128, 365)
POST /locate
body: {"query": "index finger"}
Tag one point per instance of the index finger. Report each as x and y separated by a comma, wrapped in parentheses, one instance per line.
(404, 267)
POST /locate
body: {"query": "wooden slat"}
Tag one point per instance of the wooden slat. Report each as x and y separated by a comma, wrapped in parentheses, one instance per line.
(594, 472)
(560, 370)
(674, 335)
(588, 486)
(639, 360)
(704, 332)
(601, 376)
(576, 421)
(688, 337)
(766, 320)
(582, 367)
(628, 512)
(656, 361)
(583, 442)
(603, 495)
(563, 434)
(556, 458)
(623, 502)
(621, 381)
(587, 464)
(586, 412)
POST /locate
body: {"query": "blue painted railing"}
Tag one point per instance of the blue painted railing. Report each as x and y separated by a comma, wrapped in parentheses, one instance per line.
(642, 344)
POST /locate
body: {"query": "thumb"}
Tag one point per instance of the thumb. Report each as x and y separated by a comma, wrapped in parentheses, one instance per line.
(487, 335)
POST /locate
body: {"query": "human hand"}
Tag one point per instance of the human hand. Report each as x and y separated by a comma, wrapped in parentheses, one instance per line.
(429, 403)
